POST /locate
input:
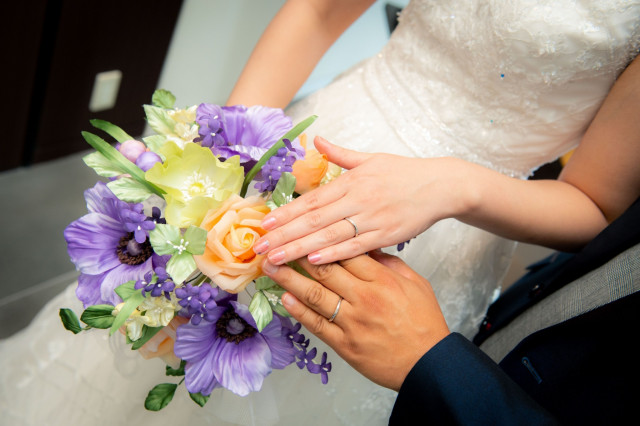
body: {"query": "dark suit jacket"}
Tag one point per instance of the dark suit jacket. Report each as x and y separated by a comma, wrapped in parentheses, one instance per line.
(582, 371)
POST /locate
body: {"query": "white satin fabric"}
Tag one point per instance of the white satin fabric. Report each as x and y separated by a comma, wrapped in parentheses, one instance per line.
(509, 85)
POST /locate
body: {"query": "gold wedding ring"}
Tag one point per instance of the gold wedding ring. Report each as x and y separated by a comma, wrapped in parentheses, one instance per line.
(355, 227)
(335, 313)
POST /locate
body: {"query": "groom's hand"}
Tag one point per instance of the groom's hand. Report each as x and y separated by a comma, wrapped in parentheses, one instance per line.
(387, 320)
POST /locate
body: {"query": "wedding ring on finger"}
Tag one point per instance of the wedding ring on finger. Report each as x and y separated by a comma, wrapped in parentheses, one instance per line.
(335, 313)
(355, 227)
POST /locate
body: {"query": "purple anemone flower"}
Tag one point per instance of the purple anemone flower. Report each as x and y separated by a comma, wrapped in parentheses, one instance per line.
(104, 250)
(230, 352)
(247, 132)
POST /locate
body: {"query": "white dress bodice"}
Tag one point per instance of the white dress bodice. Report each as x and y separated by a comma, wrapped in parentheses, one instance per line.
(510, 85)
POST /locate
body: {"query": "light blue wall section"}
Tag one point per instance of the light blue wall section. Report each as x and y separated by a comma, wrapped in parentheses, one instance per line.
(214, 38)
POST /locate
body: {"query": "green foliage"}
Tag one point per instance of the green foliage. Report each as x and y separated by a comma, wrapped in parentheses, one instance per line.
(112, 130)
(260, 309)
(199, 398)
(70, 320)
(163, 98)
(160, 396)
(98, 316)
(147, 333)
(176, 371)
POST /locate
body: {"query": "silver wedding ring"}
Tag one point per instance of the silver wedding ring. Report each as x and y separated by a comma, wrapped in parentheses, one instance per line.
(335, 313)
(355, 227)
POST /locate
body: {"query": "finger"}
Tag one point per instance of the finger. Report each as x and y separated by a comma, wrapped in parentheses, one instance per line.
(336, 233)
(346, 249)
(313, 294)
(309, 202)
(332, 276)
(343, 157)
(329, 332)
(396, 264)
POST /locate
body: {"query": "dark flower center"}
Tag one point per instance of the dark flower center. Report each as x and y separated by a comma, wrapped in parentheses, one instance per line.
(131, 252)
(232, 327)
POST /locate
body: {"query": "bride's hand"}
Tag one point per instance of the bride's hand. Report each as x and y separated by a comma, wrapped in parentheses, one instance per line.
(388, 199)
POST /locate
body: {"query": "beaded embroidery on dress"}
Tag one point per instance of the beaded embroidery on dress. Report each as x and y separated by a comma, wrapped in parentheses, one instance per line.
(508, 85)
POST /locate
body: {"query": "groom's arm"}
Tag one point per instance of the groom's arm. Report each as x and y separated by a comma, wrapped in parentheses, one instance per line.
(456, 383)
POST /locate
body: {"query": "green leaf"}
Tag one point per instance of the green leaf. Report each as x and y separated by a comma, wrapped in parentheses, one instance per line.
(98, 316)
(290, 135)
(160, 396)
(163, 98)
(119, 161)
(283, 192)
(130, 305)
(154, 143)
(112, 130)
(280, 310)
(180, 266)
(176, 371)
(159, 120)
(197, 238)
(101, 165)
(70, 320)
(199, 398)
(260, 309)
(147, 334)
(163, 238)
(265, 283)
(129, 190)
(126, 290)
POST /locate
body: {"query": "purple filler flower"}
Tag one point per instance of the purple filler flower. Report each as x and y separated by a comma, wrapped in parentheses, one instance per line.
(104, 250)
(230, 352)
(247, 132)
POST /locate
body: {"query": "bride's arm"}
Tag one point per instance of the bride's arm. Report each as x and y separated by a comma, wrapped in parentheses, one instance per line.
(291, 46)
(393, 198)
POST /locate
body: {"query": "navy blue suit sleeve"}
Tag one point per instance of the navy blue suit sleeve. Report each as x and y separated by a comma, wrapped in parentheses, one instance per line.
(456, 383)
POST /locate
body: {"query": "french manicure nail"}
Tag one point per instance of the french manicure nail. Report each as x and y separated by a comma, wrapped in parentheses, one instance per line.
(287, 300)
(276, 257)
(268, 223)
(314, 257)
(261, 247)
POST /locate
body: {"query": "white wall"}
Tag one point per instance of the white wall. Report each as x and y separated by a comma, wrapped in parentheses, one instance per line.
(213, 40)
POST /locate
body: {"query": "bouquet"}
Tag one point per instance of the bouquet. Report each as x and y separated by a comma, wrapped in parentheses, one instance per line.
(166, 245)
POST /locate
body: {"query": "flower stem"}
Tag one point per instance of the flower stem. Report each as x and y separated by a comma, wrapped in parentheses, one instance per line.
(291, 135)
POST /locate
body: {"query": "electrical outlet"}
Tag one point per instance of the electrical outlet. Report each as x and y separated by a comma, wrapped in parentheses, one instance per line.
(105, 90)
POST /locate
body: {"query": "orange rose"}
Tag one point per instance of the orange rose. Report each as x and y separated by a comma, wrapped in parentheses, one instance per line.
(229, 259)
(310, 171)
(161, 345)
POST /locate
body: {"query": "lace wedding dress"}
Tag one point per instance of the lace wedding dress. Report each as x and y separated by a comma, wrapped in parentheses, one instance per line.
(508, 85)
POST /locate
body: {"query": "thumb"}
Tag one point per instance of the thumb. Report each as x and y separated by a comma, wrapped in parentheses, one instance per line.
(345, 158)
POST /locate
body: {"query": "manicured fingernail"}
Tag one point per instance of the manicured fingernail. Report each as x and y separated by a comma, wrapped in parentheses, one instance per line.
(268, 223)
(314, 257)
(288, 300)
(276, 257)
(269, 267)
(261, 247)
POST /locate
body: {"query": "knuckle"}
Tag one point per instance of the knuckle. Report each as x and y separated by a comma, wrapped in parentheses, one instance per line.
(314, 295)
(313, 220)
(317, 325)
(330, 235)
(323, 272)
(311, 200)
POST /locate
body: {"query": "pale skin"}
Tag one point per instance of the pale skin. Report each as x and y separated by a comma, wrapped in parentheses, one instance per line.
(600, 181)
(367, 325)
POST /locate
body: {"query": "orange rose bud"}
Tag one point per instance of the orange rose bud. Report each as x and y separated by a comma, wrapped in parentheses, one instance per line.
(232, 229)
(310, 171)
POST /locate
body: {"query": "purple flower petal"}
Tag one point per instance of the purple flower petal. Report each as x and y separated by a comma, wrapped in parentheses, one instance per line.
(91, 242)
(88, 290)
(282, 353)
(242, 367)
